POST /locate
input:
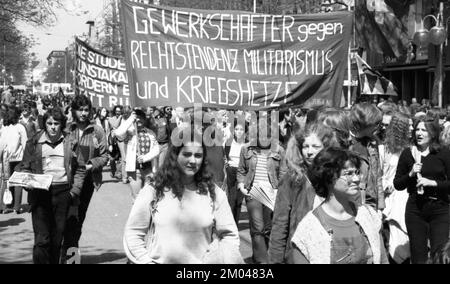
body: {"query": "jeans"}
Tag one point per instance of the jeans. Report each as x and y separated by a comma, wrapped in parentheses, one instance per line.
(260, 219)
(426, 219)
(49, 214)
(137, 180)
(116, 167)
(16, 190)
(235, 196)
(162, 154)
(123, 154)
(72, 233)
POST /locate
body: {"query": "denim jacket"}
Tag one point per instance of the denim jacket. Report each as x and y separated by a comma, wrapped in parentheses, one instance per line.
(247, 165)
(295, 198)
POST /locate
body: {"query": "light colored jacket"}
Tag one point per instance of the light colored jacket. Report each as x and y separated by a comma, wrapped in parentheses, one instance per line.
(314, 242)
(13, 140)
(127, 132)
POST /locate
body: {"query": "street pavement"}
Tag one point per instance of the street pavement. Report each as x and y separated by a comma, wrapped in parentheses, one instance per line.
(101, 241)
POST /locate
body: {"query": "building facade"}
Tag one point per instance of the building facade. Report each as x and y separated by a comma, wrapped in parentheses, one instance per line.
(413, 73)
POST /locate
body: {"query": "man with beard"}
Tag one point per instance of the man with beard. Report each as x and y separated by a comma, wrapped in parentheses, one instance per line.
(88, 142)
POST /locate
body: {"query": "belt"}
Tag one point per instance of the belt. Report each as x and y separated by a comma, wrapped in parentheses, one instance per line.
(162, 143)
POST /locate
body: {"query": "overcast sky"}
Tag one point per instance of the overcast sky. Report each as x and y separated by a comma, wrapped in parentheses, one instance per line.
(69, 24)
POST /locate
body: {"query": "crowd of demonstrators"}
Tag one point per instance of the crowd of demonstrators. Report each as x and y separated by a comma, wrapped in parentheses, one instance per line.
(368, 184)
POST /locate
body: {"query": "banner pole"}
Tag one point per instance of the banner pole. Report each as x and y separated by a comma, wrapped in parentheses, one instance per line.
(254, 6)
(349, 71)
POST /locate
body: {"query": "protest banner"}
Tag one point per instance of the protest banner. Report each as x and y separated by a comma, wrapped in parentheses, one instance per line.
(233, 59)
(101, 77)
(53, 88)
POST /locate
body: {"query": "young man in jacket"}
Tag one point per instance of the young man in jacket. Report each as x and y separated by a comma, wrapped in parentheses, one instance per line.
(48, 152)
(88, 144)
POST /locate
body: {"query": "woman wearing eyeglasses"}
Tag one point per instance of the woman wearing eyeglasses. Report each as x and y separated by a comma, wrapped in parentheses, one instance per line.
(339, 231)
(424, 170)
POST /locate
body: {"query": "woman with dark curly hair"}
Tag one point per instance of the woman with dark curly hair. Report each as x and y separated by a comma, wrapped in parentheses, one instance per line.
(398, 135)
(180, 212)
(424, 170)
(339, 231)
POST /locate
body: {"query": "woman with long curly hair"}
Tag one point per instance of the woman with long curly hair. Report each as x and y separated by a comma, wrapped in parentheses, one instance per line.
(296, 195)
(186, 216)
(424, 170)
(397, 139)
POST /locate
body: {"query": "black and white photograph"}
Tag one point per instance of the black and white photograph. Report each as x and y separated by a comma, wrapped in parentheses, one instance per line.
(225, 132)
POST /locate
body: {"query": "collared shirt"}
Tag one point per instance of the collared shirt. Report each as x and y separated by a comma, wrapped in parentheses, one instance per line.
(53, 159)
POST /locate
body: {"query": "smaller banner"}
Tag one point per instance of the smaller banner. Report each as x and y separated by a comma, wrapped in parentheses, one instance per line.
(372, 82)
(53, 88)
(101, 77)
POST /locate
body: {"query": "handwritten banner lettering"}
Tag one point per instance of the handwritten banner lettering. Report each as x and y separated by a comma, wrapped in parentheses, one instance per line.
(101, 77)
(234, 59)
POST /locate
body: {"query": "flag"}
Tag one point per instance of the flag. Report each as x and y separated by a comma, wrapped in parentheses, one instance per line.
(381, 28)
(371, 82)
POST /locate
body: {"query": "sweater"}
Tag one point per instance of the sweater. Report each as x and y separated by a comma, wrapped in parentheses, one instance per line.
(435, 166)
(314, 242)
(181, 231)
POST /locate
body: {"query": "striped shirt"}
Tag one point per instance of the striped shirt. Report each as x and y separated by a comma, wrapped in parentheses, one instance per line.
(261, 173)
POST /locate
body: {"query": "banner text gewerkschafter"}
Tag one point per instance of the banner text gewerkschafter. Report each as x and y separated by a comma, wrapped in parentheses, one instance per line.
(233, 59)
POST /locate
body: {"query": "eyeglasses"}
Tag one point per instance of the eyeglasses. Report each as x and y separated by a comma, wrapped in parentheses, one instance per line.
(349, 174)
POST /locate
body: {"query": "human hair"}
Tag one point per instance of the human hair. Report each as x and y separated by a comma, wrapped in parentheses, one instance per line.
(327, 166)
(169, 174)
(433, 129)
(99, 111)
(364, 115)
(293, 156)
(397, 133)
(12, 116)
(126, 112)
(444, 138)
(78, 102)
(441, 255)
(435, 113)
(244, 124)
(115, 108)
(313, 113)
(340, 122)
(58, 115)
(389, 108)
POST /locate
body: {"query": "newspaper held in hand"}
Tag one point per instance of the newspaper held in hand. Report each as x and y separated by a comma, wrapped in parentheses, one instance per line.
(30, 180)
(417, 158)
(264, 193)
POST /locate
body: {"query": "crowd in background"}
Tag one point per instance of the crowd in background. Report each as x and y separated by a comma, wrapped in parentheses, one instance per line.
(369, 184)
